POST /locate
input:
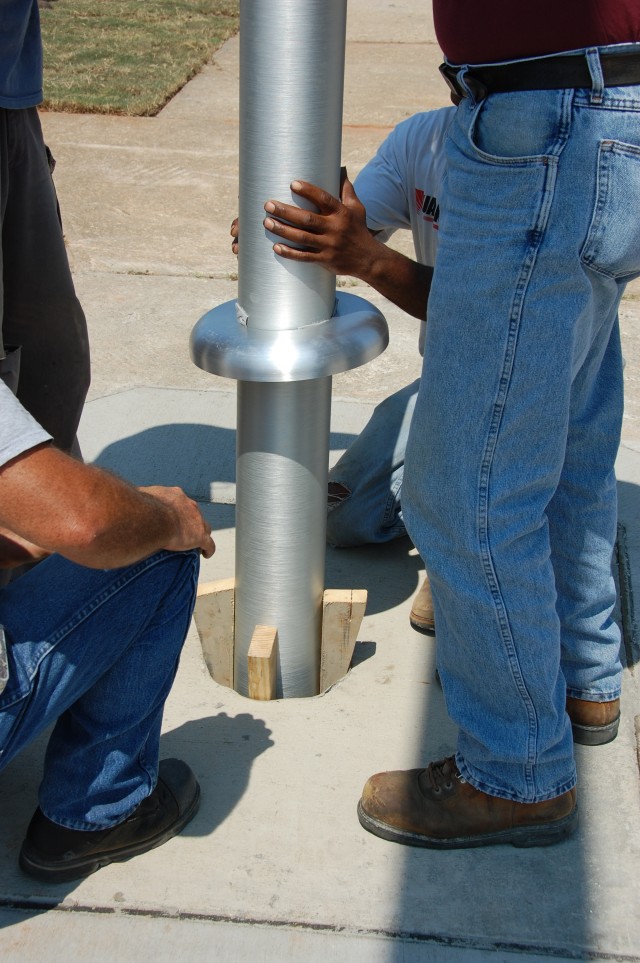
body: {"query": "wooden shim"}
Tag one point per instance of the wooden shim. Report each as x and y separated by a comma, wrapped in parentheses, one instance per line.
(342, 614)
(262, 662)
(214, 616)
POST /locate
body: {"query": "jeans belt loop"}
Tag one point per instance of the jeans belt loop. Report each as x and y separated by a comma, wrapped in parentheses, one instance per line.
(597, 78)
(473, 86)
(461, 84)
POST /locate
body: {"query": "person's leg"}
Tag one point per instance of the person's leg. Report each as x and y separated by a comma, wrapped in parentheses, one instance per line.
(582, 528)
(40, 311)
(494, 415)
(97, 651)
(364, 505)
(365, 486)
(477, 515)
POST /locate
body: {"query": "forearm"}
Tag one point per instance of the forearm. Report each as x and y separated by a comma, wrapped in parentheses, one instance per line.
(125, 526)
(81, 512)
(399, 279)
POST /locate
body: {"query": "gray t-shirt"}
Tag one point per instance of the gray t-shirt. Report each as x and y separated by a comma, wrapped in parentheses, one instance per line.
(18, 430)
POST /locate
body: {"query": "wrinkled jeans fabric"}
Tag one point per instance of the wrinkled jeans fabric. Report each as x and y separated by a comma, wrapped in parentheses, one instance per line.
(371, 469)
(519, 411)
(94, 652)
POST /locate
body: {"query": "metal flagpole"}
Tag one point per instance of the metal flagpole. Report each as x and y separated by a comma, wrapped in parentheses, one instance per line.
(287, 333)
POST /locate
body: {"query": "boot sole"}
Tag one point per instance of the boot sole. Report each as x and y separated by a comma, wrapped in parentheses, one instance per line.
(425, 628)
(546, 834)
(595, 735)
(56, 872)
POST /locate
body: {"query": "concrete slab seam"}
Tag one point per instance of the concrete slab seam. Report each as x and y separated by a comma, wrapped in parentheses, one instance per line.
(400, 936)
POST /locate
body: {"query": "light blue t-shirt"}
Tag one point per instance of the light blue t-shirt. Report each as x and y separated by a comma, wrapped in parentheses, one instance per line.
(18, 430)
(20, 54)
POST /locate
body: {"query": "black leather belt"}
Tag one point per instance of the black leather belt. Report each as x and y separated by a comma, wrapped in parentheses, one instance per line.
(545, 73)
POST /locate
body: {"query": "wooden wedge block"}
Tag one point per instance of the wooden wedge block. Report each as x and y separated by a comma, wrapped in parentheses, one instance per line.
(214, 616)
(263, 660)
(342, 614)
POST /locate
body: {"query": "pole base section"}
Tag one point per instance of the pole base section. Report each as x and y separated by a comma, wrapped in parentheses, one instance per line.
(342, 614)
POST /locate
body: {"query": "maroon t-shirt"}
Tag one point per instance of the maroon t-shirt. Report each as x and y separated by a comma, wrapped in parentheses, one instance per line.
(474, 32)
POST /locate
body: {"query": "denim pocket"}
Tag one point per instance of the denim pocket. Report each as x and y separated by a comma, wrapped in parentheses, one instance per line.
(612, 246)
(518, 129)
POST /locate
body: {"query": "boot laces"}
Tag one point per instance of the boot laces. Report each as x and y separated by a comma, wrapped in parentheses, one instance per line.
(440, 775)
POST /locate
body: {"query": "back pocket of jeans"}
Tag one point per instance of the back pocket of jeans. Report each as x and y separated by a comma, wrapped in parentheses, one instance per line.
(612, 246)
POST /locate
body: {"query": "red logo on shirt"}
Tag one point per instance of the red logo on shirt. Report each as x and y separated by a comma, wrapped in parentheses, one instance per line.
(428, 206)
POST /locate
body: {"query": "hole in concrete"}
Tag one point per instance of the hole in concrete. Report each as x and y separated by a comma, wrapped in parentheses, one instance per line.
(342, 613)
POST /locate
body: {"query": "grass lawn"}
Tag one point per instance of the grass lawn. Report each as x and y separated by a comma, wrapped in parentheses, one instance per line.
(128, 56)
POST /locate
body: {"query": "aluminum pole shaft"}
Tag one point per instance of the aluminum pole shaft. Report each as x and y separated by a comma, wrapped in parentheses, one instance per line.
(291, 88)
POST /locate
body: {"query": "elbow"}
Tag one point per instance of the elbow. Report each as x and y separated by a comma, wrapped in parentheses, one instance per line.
(89, 541)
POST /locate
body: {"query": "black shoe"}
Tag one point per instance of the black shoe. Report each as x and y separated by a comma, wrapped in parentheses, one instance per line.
(56, 854)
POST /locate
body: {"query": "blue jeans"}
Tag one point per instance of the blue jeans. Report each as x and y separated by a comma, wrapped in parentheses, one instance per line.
(519, 411)
(371, 470)
(94, 652)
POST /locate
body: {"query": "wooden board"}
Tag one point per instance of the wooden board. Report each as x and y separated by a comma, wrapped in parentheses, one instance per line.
(214, 616)
(342, 614)
(262, 662)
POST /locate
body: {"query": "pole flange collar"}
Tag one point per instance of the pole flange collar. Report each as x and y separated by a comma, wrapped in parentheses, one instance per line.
(222, 345)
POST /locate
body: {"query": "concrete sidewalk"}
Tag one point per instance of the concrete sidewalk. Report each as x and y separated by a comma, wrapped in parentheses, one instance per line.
(275, 866)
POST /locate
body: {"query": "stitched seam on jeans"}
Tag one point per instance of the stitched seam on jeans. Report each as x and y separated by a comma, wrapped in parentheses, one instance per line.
(535, 238)
(393, 499)
(592, 249)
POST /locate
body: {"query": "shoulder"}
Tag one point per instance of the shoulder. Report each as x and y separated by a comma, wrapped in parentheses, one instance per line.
(424, 127)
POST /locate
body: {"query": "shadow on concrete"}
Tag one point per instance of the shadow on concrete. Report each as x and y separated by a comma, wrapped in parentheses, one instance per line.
(201, 460)
(195, 457)
(627, 561)
(391, 572)
(221, 750)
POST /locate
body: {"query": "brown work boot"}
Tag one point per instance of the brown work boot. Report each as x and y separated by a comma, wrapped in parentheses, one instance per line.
(593, 723)
(421, 616)
(436, 808)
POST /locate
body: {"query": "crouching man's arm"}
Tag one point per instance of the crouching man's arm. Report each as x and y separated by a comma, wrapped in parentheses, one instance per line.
(50, 502)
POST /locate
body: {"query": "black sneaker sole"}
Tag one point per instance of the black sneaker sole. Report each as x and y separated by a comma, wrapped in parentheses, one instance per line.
(546, 834)
(58, 872)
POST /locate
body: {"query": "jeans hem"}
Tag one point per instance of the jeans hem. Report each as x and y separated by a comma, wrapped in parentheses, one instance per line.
(587, 696)
(80, 825)
(478, 781)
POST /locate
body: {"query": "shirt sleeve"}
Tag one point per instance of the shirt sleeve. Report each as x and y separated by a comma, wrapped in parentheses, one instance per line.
(382, 185)
(18, 430)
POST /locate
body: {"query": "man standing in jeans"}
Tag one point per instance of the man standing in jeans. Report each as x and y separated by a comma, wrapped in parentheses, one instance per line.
(516, 515)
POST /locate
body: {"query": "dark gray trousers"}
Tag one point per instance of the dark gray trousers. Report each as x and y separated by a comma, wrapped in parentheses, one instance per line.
(39, 310)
